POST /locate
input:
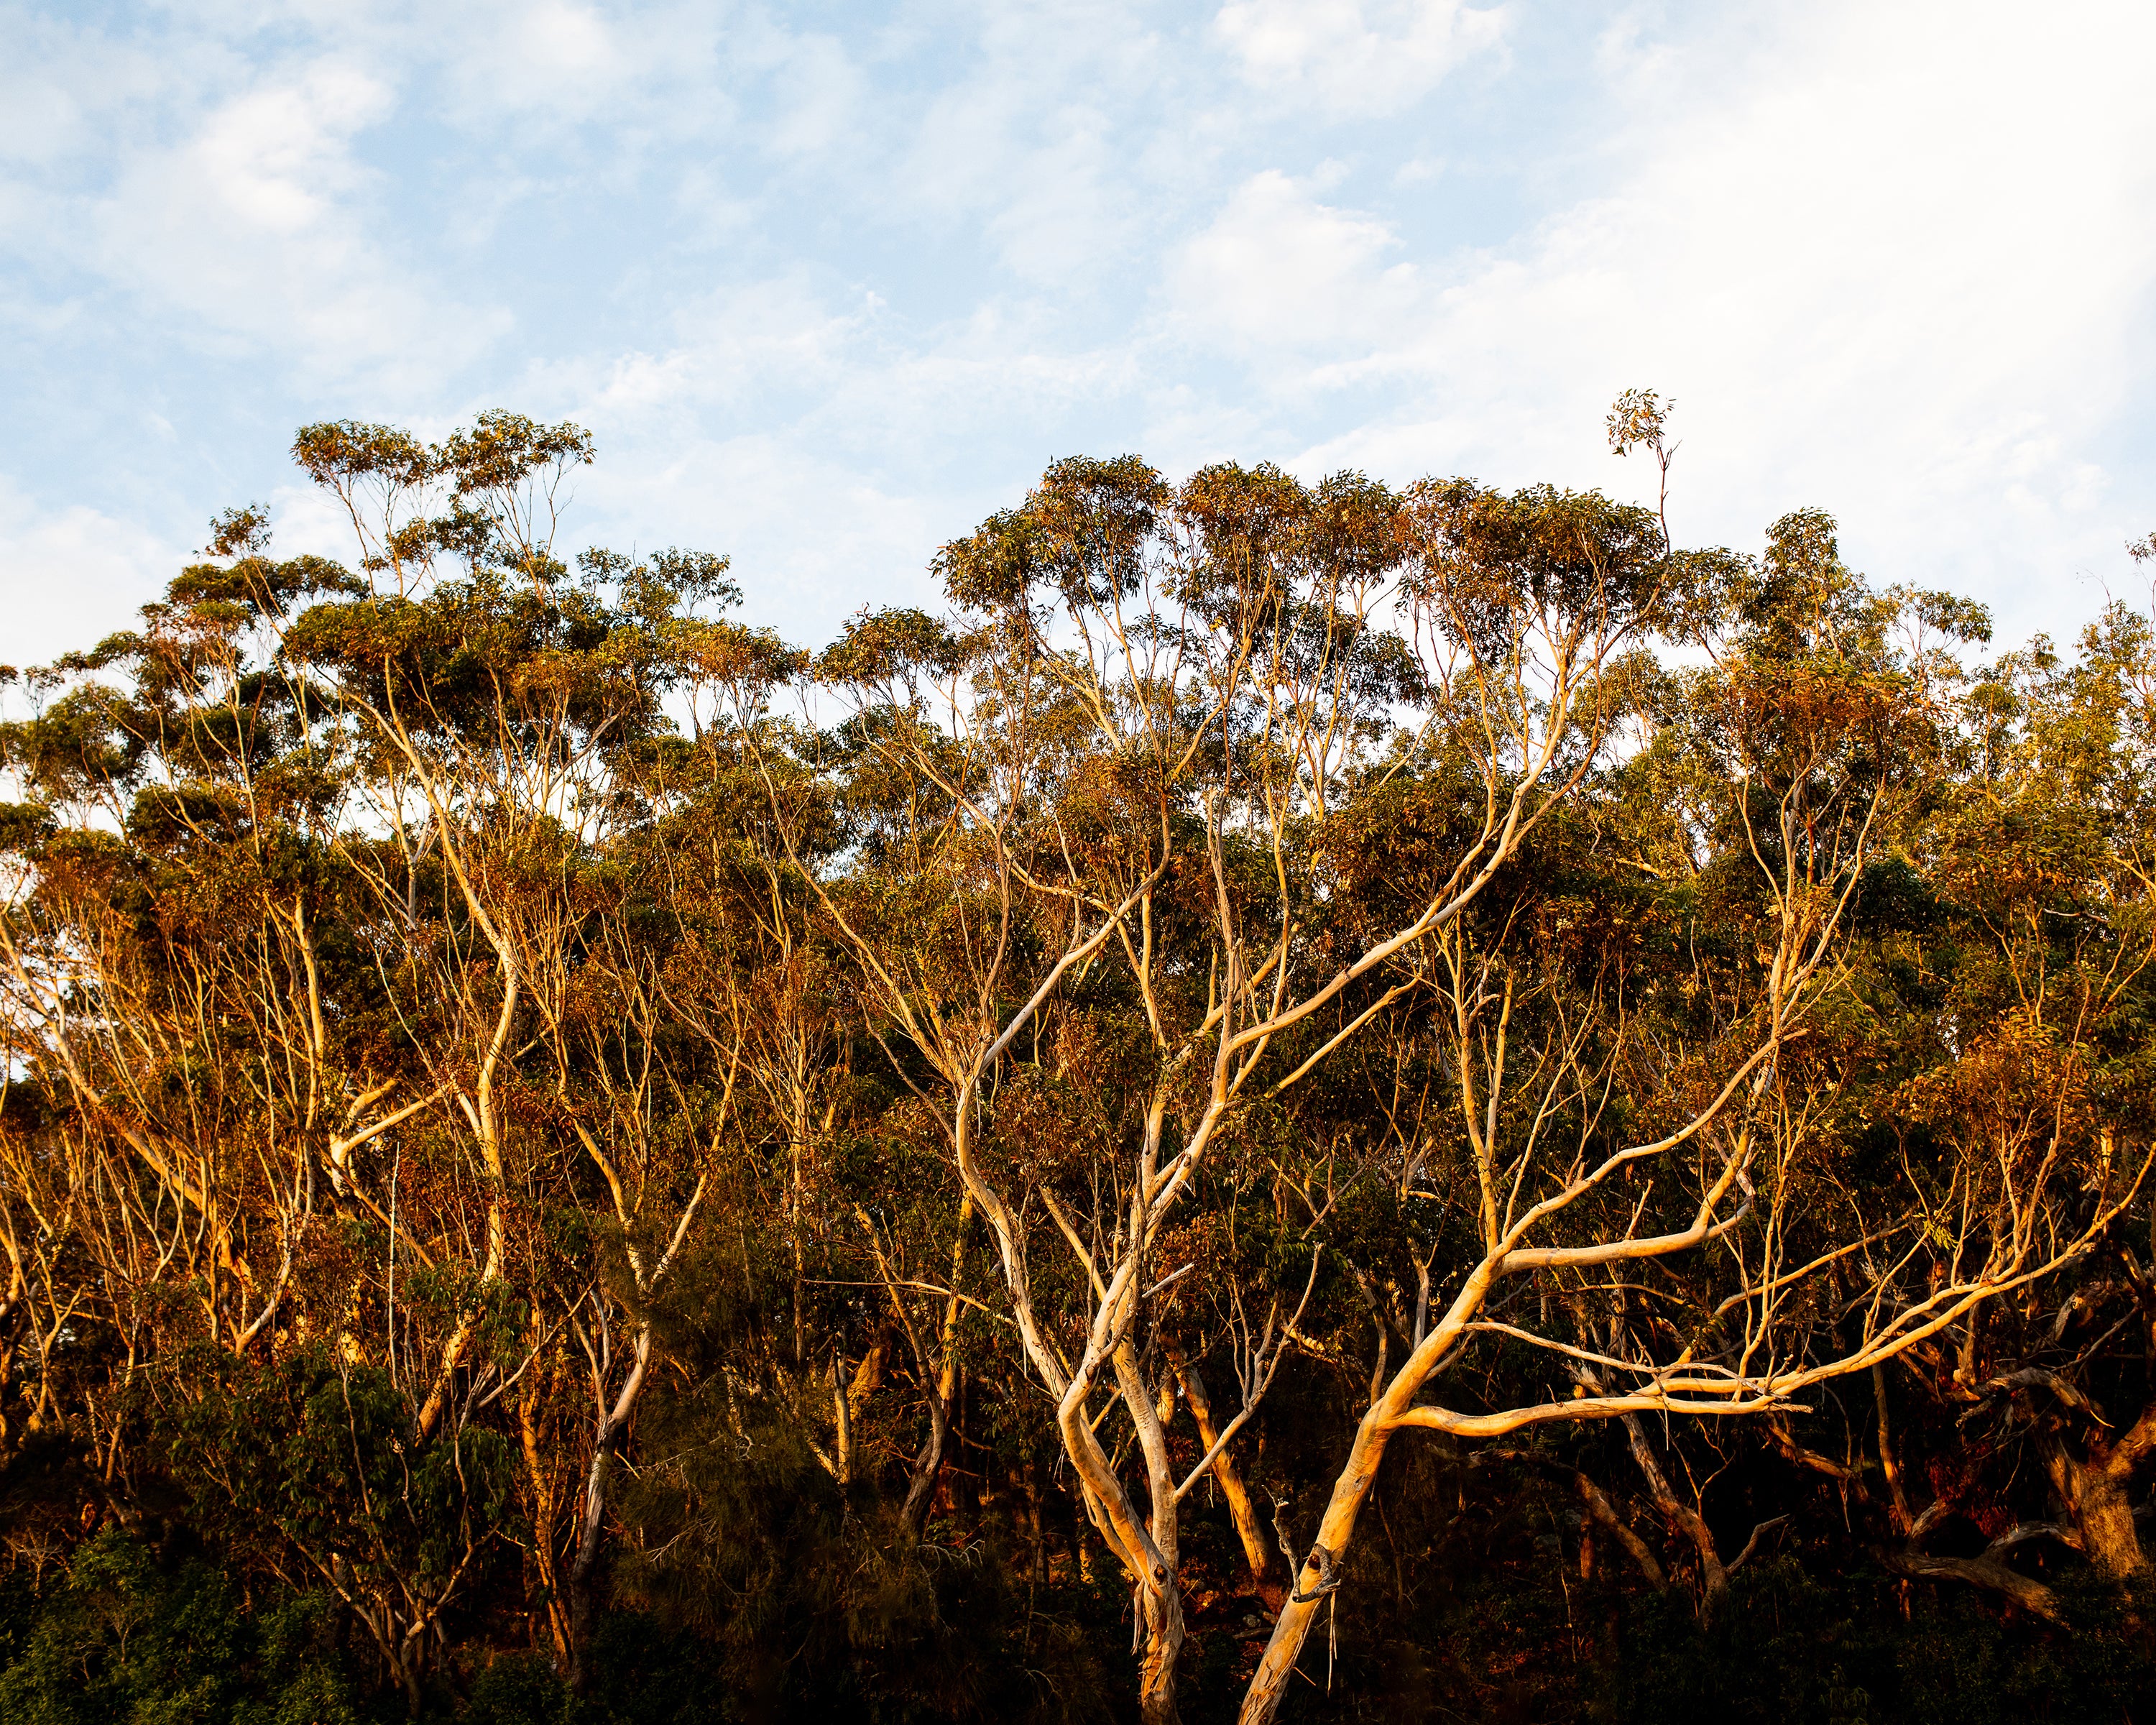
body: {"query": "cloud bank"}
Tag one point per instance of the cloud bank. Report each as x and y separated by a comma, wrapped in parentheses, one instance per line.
(829, 287)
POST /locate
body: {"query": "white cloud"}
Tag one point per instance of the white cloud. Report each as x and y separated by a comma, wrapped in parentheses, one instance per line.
(275, 160)
(812, 537)
(567, 44)
(72, 575)
(823, 99)
(1060, 138)
(229, 206)
(829, 294)
(260, 226)
(65, 87)
(546, 68)
(1356, 56)
(1278, 270)
(838, 482)
(1897, 261)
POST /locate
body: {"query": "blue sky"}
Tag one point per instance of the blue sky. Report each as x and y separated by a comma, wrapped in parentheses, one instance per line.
(829, 282)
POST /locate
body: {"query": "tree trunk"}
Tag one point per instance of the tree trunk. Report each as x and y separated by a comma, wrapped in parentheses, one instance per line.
(927, 1465)
(842, 1421)
(1256, 1552)
(1984, 1572)
(1714, 1577)
(543, 1532)
(1889, 1465)
(2096, 1489)
(583, 1572)
(1163, 1633)
(1600, 1513)
(1312, 1578)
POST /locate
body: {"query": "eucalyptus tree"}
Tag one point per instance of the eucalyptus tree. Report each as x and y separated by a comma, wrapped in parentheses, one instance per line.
(1123, 774)
(309, 917)
(524, 1094)
(1818, 730)
(2037, 875)
(1120, 782)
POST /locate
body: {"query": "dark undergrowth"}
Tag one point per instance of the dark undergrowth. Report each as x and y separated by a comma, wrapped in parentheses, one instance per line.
(124, 1631)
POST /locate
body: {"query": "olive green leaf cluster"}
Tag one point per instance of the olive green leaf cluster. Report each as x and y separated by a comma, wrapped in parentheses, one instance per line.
(1314, 1100)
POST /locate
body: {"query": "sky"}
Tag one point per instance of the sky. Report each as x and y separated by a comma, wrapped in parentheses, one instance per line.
(830, 283)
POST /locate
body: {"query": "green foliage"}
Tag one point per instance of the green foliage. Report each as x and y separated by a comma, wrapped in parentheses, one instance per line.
(119, 1635)
(487, 1070)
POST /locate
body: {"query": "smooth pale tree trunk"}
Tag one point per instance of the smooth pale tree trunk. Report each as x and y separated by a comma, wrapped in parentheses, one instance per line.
(1985, 1572)
(1256, 1552)
(1291, 1628)
(1714, 1577)
(542, 1532)
(583, 1572)
(1163, 1603)
(928, 1464)
(1889, 1464)
(1163, 1632)
(1600, 1513)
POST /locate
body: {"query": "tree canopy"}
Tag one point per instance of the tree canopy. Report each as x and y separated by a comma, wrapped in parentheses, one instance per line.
(1314, 1100)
